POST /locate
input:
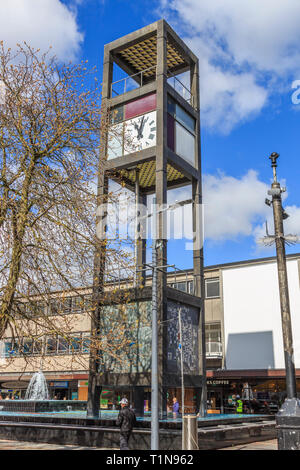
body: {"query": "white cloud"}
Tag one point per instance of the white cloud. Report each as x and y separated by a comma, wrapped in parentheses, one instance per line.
(41, 23)
(232, 207)
(246, 49)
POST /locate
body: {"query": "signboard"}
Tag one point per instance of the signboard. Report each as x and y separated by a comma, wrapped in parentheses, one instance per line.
(13, 385)
(217, 382)
(59, 384)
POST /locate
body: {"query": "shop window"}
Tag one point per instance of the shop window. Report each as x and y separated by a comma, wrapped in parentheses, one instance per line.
(212, 288)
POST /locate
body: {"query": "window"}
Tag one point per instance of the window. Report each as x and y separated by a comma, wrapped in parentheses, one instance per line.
(62, 345)
(213, 339)
(51, 345)
(184, 286)
(184, 143)
(181, 131)
(77, 303)
(212, 288)
(27, 346)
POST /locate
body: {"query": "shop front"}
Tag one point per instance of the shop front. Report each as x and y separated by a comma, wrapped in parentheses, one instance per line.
(13, 390)
(258, 394)
(63, 389)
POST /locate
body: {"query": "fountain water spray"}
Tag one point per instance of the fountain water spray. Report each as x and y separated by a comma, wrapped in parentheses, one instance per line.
(37, 388)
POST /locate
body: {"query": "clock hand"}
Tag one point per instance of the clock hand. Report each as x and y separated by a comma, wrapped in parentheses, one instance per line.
(140, 135)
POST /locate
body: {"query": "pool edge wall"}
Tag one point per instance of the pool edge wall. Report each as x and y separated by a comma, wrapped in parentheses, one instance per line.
(108, 437)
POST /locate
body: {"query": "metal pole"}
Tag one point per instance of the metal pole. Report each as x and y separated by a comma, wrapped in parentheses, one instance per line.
(154, 365)
(182, 376)
(137, 226)
(283, 285)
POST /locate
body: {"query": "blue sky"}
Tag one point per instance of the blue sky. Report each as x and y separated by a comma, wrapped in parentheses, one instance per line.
(249, 58)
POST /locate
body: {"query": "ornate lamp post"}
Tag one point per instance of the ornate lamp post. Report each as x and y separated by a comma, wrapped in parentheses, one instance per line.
(288, 417)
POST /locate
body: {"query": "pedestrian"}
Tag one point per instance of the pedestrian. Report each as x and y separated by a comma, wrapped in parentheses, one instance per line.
(239, 405)
(126, 421)
(175, 408)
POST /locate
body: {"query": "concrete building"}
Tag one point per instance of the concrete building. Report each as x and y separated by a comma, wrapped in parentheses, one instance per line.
(244, 351)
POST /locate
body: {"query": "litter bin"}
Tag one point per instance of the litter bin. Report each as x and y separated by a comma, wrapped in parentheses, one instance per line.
(190, 432)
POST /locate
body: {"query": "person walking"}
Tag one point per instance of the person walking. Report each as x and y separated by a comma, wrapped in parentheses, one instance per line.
(126, 421)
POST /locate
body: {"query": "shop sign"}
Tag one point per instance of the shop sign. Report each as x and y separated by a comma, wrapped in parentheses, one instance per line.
(217, 382)
(15, 385)
(59, 384)
(83, 383)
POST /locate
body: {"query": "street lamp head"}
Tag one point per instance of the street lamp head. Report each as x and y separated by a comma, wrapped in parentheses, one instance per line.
(273, 157)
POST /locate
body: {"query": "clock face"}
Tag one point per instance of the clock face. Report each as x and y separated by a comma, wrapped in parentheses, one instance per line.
(140, 133)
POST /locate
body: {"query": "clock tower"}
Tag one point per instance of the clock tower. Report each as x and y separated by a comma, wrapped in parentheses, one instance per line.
(152, 144)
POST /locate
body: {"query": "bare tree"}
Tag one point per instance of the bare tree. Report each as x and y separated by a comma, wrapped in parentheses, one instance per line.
(51, 123)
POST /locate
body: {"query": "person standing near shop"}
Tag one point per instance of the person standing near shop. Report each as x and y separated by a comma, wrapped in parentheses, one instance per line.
(126, 421)
(175, 408)
(239, 404)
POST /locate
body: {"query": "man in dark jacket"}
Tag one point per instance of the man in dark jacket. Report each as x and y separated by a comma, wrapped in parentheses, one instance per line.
(126, 420)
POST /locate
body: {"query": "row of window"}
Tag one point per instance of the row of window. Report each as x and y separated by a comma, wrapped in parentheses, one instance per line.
(212, 287)
(78, 304)
(51, 345)
(56, 306)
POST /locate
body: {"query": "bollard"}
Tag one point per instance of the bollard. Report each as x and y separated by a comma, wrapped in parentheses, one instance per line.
(190, 432)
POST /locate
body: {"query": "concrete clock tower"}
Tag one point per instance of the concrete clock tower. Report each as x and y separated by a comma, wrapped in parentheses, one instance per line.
(152, 145)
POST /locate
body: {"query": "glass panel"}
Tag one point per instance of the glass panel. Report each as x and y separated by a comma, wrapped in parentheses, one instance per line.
(86, 342)
(55, 306)
(38, 346)
(115, 142)
(27, 346)
(88, 302)
(76, 343)
(117, 114)
(212, 288)
(77, 303)
(62, 345)
(185, 118)
(140, 106)
(185, 144)
(171, 106)
(51, 345)
(66, 305)
(171, 132)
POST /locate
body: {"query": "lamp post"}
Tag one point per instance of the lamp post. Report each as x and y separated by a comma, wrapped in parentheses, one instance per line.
(288, 417)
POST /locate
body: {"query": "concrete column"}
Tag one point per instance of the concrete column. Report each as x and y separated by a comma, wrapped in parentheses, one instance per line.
(94, 389)
(138, 400)
(161, 197)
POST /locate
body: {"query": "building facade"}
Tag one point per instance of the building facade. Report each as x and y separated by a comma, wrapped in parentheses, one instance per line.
(244, 349)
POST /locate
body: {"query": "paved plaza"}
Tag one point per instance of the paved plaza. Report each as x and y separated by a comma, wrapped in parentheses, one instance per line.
(19, 445)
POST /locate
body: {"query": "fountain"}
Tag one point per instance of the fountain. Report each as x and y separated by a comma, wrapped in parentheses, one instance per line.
(37, 388)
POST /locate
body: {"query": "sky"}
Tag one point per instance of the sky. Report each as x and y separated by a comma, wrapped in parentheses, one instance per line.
(249, 55)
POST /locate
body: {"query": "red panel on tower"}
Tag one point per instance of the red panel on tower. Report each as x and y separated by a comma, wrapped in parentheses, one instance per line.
(140, 106)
